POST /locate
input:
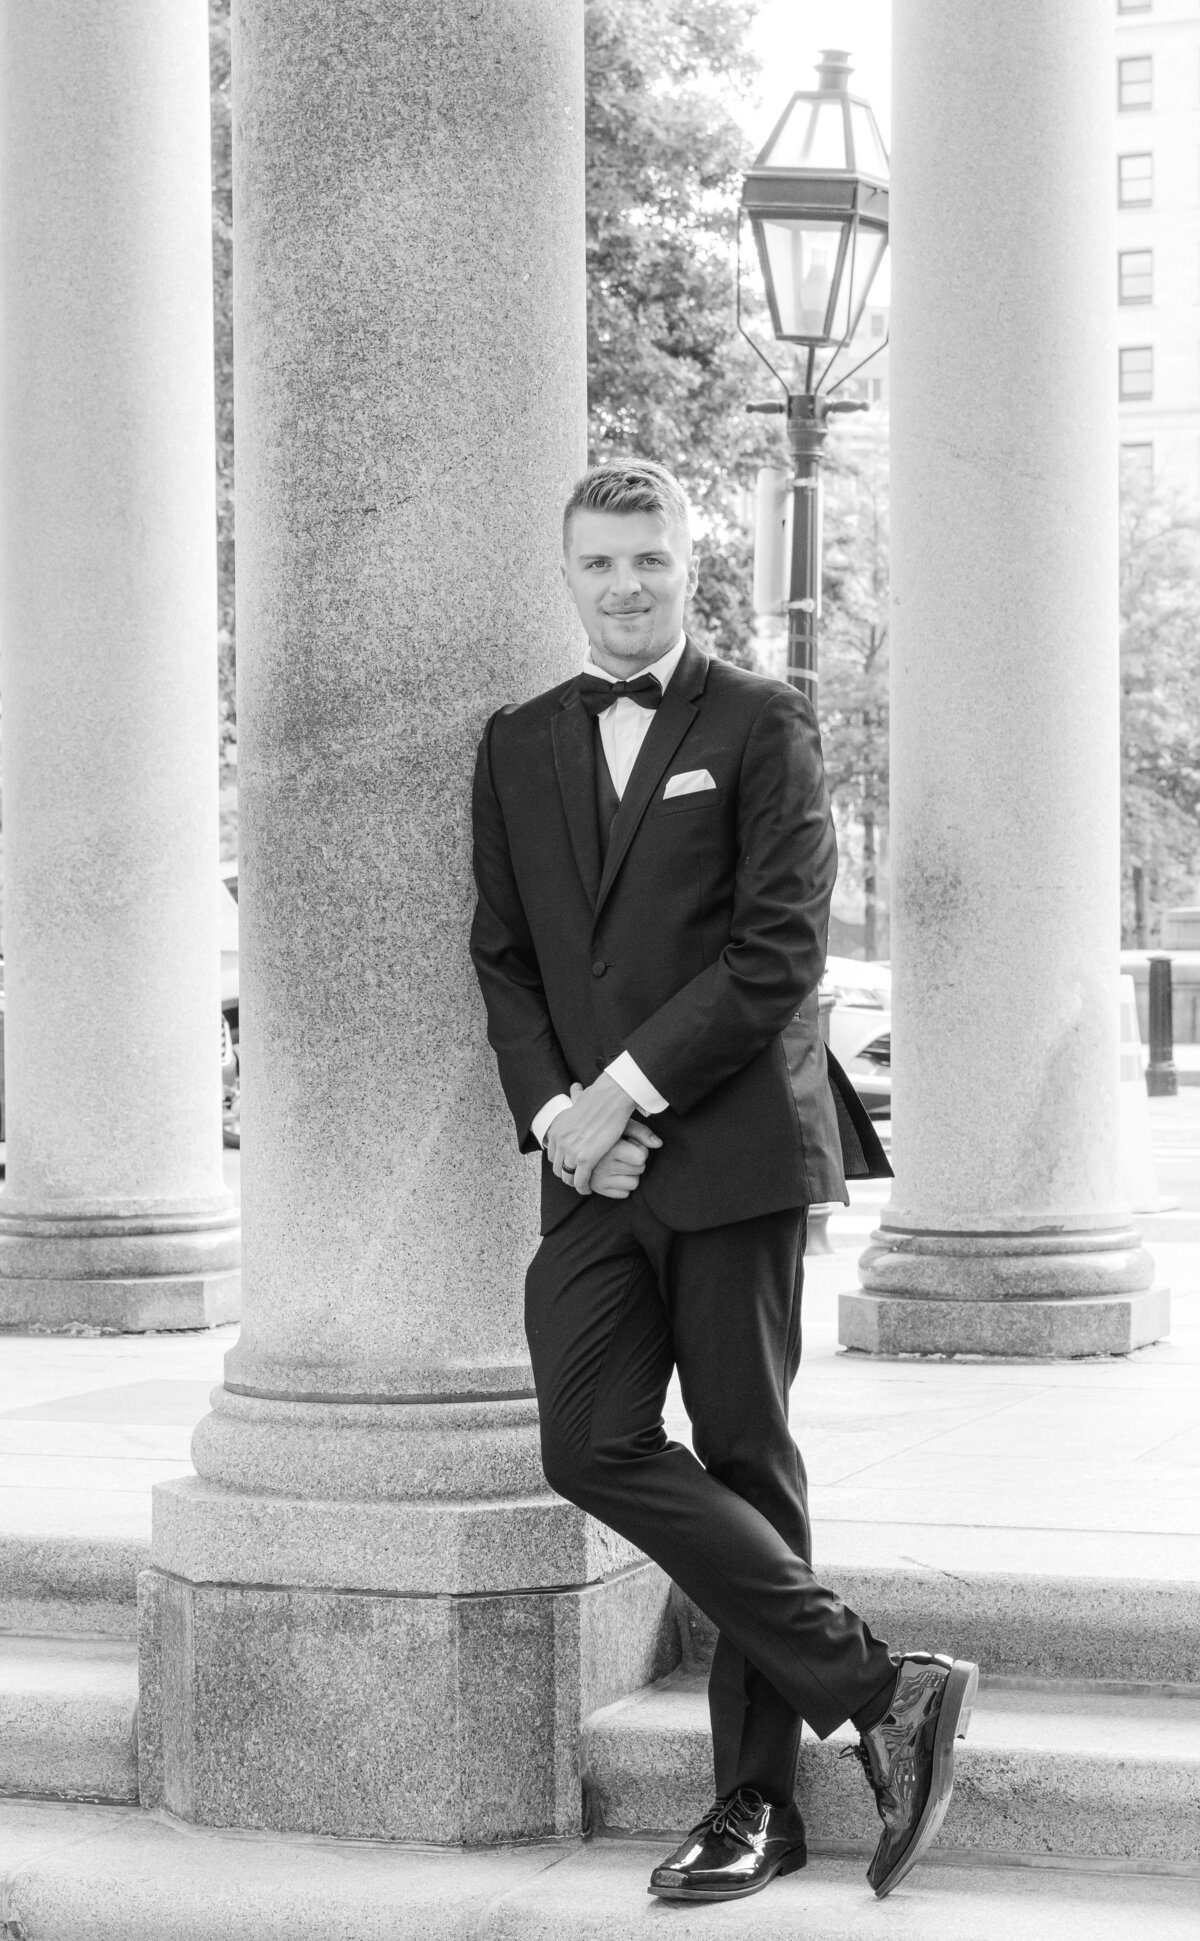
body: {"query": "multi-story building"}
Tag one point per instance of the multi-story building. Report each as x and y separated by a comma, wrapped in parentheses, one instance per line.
(1156, 182)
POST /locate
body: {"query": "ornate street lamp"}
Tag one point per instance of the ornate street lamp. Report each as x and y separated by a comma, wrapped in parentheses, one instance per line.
(817, 202)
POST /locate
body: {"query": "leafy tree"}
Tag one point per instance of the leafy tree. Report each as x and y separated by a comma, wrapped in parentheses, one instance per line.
(1160, 704)
(222, 241)
(668, 375)
(854, 665)
(1160, 688)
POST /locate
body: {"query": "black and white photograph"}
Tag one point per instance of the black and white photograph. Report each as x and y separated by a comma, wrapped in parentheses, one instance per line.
(573, 572)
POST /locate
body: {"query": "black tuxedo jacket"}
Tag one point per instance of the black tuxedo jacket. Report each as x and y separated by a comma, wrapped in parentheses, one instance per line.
(696, 948)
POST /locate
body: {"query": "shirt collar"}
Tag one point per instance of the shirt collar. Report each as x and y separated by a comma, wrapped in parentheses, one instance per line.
(662, 669)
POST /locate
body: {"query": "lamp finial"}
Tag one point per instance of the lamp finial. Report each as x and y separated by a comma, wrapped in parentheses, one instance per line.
(833, 69)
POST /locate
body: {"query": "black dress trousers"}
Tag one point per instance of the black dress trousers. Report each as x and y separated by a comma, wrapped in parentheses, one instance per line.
(615, 1300)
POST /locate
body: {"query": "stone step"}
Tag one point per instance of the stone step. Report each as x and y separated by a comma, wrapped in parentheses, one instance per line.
(601, 1896)
(1019, 1626)
(1045, 1770)
(68, 1710)
(70, 1585)
(88, 1873)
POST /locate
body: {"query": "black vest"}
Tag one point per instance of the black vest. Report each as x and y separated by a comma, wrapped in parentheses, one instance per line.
(607, 799)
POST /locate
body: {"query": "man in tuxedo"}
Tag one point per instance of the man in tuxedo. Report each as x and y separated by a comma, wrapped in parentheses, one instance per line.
(654, 857)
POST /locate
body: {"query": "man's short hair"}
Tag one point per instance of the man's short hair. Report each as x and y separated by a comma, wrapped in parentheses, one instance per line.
(629, 485)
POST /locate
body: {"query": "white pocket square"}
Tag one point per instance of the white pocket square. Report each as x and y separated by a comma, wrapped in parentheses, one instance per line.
(689, 783)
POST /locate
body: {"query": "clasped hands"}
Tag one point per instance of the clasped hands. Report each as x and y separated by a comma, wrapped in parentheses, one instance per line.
(595, 1144)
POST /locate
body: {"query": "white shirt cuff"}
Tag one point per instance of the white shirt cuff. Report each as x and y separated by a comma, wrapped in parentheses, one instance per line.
(633, 1080)
(546, 1117)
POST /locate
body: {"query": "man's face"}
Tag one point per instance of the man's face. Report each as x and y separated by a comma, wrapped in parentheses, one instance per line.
(630, 575)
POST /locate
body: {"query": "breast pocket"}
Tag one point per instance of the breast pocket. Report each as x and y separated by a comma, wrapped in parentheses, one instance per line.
(700, 800)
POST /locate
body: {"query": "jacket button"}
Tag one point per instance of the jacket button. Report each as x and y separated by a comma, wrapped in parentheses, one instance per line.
(599, 967)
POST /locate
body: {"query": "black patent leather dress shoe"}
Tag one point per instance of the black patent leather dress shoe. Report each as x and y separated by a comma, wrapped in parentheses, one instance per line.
(909, 1759)
(738, 1847)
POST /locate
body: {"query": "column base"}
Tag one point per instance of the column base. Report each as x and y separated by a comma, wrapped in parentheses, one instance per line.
(374, 1620)
(424, 1548)
(447, 1718)
(118, 1275)
(1058, 1296)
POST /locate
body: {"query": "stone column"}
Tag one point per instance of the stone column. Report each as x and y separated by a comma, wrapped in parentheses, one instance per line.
(1005, 1233)
(114, 1212)
(367, 1614)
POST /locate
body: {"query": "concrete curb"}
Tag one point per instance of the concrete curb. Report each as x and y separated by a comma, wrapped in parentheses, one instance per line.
(68, 1713)
(70, 1584)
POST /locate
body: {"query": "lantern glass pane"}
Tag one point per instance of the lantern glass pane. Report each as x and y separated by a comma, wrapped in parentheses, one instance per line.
(812, 136)
(870, 155)
(803, 259)
(862, 260)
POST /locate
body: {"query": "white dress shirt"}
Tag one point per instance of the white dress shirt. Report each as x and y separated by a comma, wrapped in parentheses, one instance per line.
(623, 729)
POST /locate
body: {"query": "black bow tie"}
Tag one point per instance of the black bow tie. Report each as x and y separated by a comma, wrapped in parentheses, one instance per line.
(597, 695)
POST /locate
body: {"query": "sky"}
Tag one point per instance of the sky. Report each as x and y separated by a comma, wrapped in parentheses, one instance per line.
(789, 36)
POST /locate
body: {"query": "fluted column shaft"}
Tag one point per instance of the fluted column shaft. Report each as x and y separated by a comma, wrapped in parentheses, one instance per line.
(1005, 1232)
(114, 1211)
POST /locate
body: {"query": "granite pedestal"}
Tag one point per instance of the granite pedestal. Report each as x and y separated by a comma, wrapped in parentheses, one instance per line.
(367, 1615)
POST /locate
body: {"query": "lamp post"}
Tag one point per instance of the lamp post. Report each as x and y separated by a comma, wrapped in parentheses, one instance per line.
(817, 201)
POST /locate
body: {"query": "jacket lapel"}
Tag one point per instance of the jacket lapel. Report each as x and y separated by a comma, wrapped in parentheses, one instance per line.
(672, 719)
(575, 762)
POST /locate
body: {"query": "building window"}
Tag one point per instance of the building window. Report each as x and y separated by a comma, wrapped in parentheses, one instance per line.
(1135, 181)
(1137, 464)
(878, 323)
(1135, 82)
(1133, 6)
(876, 389)
(1135, 276)
(1137, 372)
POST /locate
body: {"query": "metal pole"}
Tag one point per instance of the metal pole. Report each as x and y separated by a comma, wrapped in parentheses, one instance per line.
(807, 431)
(1140, 919)
(1162, 1079)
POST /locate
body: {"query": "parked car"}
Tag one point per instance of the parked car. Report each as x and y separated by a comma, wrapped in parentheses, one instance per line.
(231, 1118)
(230, 1082)
(860, 1028)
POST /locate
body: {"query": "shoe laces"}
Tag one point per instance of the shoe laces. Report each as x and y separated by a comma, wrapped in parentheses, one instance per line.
(859, 1751)
(735, 1815)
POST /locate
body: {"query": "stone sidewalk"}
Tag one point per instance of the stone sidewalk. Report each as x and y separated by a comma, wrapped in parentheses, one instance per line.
(88, 1873)
(994, 1502)
(1084, 1469)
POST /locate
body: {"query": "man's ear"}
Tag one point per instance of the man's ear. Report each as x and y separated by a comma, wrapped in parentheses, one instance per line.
(693, 573)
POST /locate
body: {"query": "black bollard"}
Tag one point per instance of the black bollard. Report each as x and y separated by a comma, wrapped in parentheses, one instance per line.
(1162, 1079)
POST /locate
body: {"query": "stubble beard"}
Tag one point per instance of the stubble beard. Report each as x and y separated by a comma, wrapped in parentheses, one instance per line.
(632, 653)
